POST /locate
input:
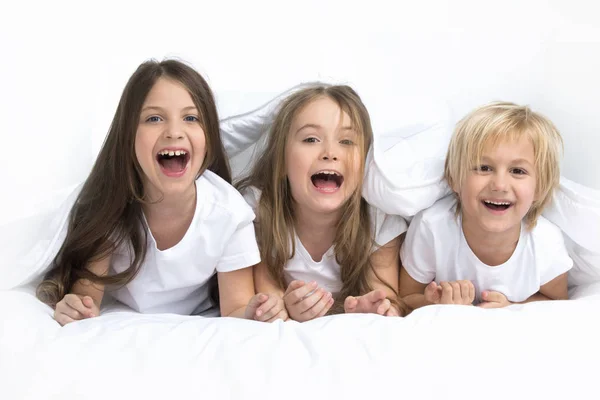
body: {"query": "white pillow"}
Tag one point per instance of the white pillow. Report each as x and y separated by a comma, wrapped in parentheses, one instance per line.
(575, 209)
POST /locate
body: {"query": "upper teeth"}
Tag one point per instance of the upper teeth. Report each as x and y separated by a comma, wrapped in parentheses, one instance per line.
(498, 203)
(328, 172)
(172, 153)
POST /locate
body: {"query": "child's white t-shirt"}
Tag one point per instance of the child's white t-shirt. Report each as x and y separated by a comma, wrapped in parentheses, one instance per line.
(326, 272)
(435, 249)
(220, 238)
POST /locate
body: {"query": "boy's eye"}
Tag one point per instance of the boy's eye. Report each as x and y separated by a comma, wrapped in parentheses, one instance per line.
(347, 142)
(153, 118)
(310, 140)
(191, 118)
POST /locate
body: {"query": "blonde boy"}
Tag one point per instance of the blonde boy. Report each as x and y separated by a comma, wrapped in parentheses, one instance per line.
(487, 244)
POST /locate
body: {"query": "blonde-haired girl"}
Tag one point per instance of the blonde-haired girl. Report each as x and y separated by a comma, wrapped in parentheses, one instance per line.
(323, 248)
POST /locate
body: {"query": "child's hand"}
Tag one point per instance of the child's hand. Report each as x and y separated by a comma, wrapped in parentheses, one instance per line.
(266, 309)
(456, 292)
(305, 302)
(493, 299)
(74, 307)
(374, 302)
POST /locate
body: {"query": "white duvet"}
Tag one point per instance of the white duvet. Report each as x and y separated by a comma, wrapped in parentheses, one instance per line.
(539, 350)
(544, 350)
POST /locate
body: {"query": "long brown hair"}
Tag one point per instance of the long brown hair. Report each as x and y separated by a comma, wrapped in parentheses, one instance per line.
(275, 214)
(108, 211)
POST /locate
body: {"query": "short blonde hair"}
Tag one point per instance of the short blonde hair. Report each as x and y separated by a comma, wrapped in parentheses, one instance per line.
(499, 122)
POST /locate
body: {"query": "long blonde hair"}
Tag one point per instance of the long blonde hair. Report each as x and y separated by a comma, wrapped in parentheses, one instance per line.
(275, 225)
(498, 122)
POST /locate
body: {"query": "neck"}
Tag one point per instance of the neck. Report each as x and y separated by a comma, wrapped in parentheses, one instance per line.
(316, 231)
(492, 248)
(170, 205)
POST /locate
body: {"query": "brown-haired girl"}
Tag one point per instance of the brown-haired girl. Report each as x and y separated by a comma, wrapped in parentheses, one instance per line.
(321, 244)
(157, 216)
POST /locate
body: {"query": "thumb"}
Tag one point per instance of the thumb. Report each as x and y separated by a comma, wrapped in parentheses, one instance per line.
(257, 300)
(350, 303)
(492, 296)
(375, 295)
(89, 303)
(293, 286)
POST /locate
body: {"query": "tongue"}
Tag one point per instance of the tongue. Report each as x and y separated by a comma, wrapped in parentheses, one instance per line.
(173, 164)
(325, 184)
(496, 206)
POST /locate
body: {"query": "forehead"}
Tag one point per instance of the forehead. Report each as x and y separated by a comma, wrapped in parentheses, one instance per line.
(168, 92)
(509, 148)
(321, 111)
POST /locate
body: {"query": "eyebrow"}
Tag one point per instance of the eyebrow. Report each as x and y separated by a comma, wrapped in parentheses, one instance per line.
(318, 127)
(157, 108)
(517, 161)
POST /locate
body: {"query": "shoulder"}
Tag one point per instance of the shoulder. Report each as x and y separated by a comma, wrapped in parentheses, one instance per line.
(213, 190)
(441, 215)
(546, 232)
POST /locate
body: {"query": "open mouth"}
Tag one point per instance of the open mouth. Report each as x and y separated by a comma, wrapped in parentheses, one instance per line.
(173, 162)
(327, 181)
(497, 205)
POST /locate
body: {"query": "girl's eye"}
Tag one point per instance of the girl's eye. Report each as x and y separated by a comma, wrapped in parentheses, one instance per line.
(483, 168)
(310, 140)
(518, 171)
(191, 118)
(347, 142)
(153, 118)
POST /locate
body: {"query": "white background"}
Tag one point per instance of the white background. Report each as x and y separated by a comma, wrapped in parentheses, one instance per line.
(64, 65)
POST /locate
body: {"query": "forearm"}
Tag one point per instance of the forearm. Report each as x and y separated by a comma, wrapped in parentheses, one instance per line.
(416, 300)
(264, 283)
(238, 312)
(535, 297)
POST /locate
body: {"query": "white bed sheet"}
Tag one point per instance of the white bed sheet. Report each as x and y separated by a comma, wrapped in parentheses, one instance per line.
(540, 350)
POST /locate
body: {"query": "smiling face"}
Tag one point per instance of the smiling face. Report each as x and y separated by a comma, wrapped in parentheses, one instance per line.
(497, 194)
(170, 144)
(322, 157)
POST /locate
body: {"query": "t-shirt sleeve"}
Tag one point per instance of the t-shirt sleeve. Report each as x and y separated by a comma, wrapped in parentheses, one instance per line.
(417, 253)
(385, 226)
(240, 250)
(556, 259)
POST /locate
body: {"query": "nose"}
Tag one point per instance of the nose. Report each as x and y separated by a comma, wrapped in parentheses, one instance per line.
(173, 130)
(328, 153)
(499, 182)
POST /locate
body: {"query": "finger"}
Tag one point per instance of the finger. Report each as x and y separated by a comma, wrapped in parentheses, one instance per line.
(63, 319)
(282, 315)
(374, 296)
(456, 297)
(488, 304)
(310, 301)
(293, 286)
(266, 307)
(433, 293)
(446, 297)
(326, 308)
(471, 292)
(75, 303)
(297, 295)
(392, 312)
(317, 307)
(350, 304)
(257, 300)
(63, 308)
(383, 307)
(493, 296)
(91, 304)
(464, 291)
